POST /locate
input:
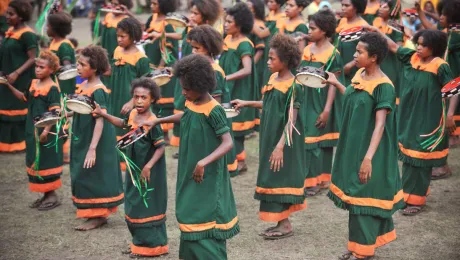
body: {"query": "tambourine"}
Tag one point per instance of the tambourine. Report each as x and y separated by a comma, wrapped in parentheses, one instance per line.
(295, 35)
(160, 76)
(144, 40)
(131, 137)
(351, 34)
(47, 119)
(80, 103)
(394, 25)
(412, 13)
(112, 9)
(176, 20)
(311, 77)
(454, 27)
(67, 72)
(451, 89)
(3, 79)
(229, 110)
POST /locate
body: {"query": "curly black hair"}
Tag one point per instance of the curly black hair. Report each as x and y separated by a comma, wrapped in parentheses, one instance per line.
(287, 50)
(242, 16)
(97, 58)
(22, 8)
(359, 5)
(74, 42)
(127, 3)
(450, 11)
(60, 23)
(259, 9)
(376, 45)
(209, 9)
(325, 21)
(196, 73)
(167, 6)
(144, 82)
(132, 27)
(208, 37)
(302, 3)
(433, 39)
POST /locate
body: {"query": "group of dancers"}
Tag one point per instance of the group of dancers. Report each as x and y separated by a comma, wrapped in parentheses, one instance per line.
(380, 103)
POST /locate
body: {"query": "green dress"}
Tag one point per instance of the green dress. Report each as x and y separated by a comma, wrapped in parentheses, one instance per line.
(280, 193)
(382, 195)
(125, 68)
(97, 191)
(165, 106)
(3, 24)
(48, 175)
(319, 143)
(204, 210)
(421, 84)
(293, 27)
(147, 224)
(371, 13)
(270, 22)
(453, 58)
(13, 112)
(109, 32)
(391, 66)
(65, 51)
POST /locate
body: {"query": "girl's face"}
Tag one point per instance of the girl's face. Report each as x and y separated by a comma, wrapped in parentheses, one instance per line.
(274, 63)
(315, 33)
(273, 5)
(423, 51)
(384, 11)
(42, 68)
(50, 31)
(443, 21)
(230, 26)
(429, 7)
(190, 95)
(198, 48)
(155, 6)
(195, 16)
(123, 39)
(348, 10)
(83, 67)
(12, 17)
(292, 9)
(361, 56)
(142, 99)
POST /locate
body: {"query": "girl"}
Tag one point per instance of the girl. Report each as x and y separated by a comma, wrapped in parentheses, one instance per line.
(17, 54)
(351, 11)
(294, 21)
(201, 12)
(368, 138)
(207, 41)
(205, 206)
(109, 27)
(390, 65)
(42, 96)
(237, 61)
(128, 64)
(372, 10)
(424, 74)
(146, 224)
(59, 25)
(322, 114)
(94, 165)
(282, 169)
(162, 52)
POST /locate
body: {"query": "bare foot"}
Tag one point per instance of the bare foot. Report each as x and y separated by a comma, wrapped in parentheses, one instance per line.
(269, 229)
(50, 201)
(36, 203)
(242, 167)
(312, 191)
(283, 230)
(92, 223)
(411, 210)
(346, 255)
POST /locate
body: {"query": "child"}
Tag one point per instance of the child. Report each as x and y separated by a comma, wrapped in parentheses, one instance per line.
(109, 27)
(146, 224)
(294, 22)
(351, 11)
(205, 40)
(237, 61)
(203, 181)
(365, 176)
(372, 10)
(322, 107)
(128, 64)
(419, 113)
(281, 174)
(59, 25)
(162, 52)
(17, 59)
(94, 165)
(42, 96)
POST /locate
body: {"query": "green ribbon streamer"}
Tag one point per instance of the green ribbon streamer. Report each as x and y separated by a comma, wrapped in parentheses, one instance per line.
(37, 155)
(96, 27)
(286, 111)
(71, 6)
(435, 139)
(42, 19)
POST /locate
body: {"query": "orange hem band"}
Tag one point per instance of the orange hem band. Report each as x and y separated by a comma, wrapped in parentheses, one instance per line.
(166, 127)
(207, 226)
(22, 112)
(45, 187)
(232, 167)
(385, 238)
(46, 172)
(276, 217)
(330, 136)
(9, 148)
(241, 156)
(99, 200)
(96, 212)
(414, 199)
(281, 191)
(242, 126)
(145, 220)
(424, 155)
(367, 202)
(148, 251)
(174, 141)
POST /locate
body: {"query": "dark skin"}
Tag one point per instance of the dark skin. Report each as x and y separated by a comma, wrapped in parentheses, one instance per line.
(424, 20)
(231, 28)
(293, 12)
(155, 6)
(56, 38)
(17, 23)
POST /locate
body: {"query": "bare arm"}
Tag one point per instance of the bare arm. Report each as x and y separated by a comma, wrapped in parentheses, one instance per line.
(332, 80)
(238, 104)
(13, 76)
(174, 35)
(277, 157)
(116, 121)
(90, 159)
(261, 32)
(392, 46)
(18, 94)
(148, 166)
(450, 122)
(245, 71)
(423, 19)
(258, 56)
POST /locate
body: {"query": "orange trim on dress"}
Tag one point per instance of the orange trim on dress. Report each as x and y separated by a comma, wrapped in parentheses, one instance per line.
(203, 108)
(344, 25)
(157, 26)
(229, 44)
(233, 166)
(17, 34)
(325, 137)
(45, 187)
(368, 85)
(89, 91)
(384, 28)
(15, 147)
(53, 108)
(43, 173)
(207, 226)
(123, 58)
(322, 57)
(241, 156)
(424, 155)
(275, 17)
(432, 66)
(367, 202)
(54, 46)
(369, 250)
(257, 121)
(174, 141)
(283, 25)
(282, 86)
(98, 200)
(21, 112)
(278, 216)
(163, 101)
(111, 21)
(167, 126)
(145, 220)
(281, 191)
(148, 251)
(96, 212)
(218, 68)
(372, 9)
(41, 91)
(176, 111)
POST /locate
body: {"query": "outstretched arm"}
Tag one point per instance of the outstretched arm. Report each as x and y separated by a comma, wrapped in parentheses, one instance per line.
(116, 121)
(18, 94)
